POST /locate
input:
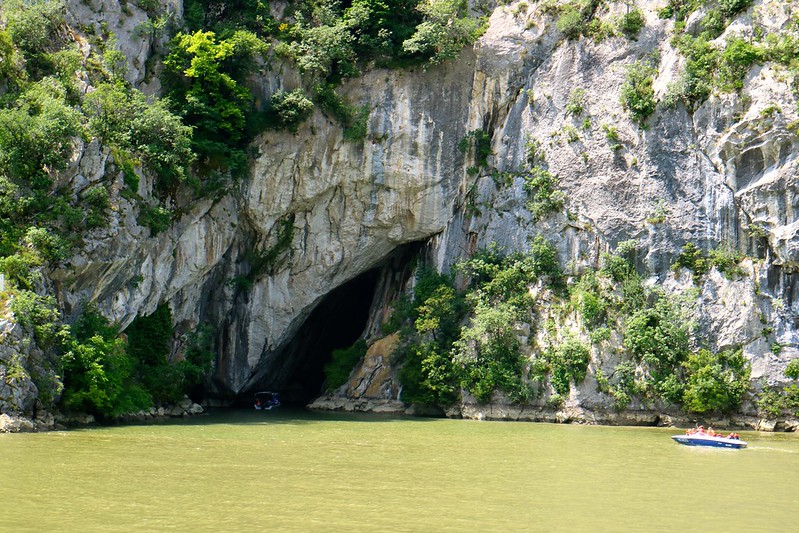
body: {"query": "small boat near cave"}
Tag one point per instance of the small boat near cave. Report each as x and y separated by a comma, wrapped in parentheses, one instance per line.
(265, 401)
(700, 437)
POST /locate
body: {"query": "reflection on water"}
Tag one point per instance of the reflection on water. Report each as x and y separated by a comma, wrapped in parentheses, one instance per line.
(297, 471)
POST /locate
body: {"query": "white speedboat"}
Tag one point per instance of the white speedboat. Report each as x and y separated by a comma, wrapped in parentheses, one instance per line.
(703, 439)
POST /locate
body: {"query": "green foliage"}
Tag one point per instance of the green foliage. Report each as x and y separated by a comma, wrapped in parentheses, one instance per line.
(679, 9)
(484, 356)
(479, 142)
(338, 370)
(697, 80)
(325, 51)
(36, 135)
(290, 109)
(33, 26)
(98, 372)
(693, 259)
(12, 65)
(616, 267)
(599, 334)
(40, 315)
(735, 61)
(723, 258)
(712, 24)
(588, 300)
(715, 381)
(730, 8)
(496, 276)
(198, 358)
(445, 31)
(428, 375)
(575, 104)
(157, 218)
(150, 345)
(792, 370)
(437, 312)
(150, 337)
(570, 23)
(774, 402)
(488, 352)
(225, 18)
(569, 363)
(631, 23)
(625, 386)
(770, 403)
(612, 136)
(726, 260)
(657, 337)
(542, 193)
(204, 78)
(98, 200)
(353, 119)
(637, 92)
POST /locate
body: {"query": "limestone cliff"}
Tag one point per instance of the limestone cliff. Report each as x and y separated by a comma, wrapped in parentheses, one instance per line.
(709, 175)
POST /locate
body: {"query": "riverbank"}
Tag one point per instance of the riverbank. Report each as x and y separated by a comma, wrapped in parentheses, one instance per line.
(564, 415)
(47, 421)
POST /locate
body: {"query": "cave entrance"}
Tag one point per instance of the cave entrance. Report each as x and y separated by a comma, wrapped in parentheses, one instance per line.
(337, 322)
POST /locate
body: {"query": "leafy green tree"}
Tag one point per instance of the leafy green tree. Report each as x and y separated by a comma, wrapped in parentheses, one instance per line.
(379, 27)
(40, 315)
(437, 312)
(12, 67)
(325, 52)
(657, 336)
(736, 60)
(428, 375)
(122, 117)
(715, 382)
(569, 363)
(290, 109)
(542, 191)
(36, 135)
(488, 352)
(33, 26)
(571, 22)
(637, 92)
(792, 370)
(204, 77)
(446, 30)
(631, 23)
(198, 358)
(226, 17)
(731, 8)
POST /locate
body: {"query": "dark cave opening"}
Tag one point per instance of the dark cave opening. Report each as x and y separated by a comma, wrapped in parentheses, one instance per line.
(337, 322)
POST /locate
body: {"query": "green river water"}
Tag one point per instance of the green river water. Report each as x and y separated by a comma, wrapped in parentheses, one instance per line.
(298, 471)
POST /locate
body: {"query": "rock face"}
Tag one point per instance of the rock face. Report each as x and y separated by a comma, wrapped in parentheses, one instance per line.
(709, 176)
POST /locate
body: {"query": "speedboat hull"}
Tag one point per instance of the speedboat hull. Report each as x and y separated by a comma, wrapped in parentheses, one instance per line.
(707, 440)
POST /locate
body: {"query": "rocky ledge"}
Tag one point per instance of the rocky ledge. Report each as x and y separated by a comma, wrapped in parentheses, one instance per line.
(46, 421)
